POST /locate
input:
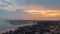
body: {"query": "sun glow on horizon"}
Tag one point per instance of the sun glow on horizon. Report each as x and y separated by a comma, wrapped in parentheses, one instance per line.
(34, 12)
(44, 13)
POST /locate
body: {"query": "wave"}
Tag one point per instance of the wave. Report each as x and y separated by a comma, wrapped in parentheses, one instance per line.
(5, 26)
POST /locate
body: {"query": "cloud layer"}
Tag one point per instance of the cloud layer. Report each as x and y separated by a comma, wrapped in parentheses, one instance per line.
(28, 9)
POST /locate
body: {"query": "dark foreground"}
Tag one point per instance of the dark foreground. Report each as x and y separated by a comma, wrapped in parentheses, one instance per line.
(41, 27)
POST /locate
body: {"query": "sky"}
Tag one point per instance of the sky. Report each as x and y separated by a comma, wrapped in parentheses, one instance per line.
(29, 10)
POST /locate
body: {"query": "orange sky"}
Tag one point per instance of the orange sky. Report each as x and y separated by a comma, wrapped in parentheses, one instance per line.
(42, 12)
(34, 12)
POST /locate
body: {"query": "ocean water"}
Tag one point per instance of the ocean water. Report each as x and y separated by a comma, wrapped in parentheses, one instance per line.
(5, 26)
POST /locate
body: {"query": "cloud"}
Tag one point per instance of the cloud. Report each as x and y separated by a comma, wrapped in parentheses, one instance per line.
(32, 17)
(6, 6)
(10, 5)
(10, 8)
(22, 4)
(32, 11)
(0, 2)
